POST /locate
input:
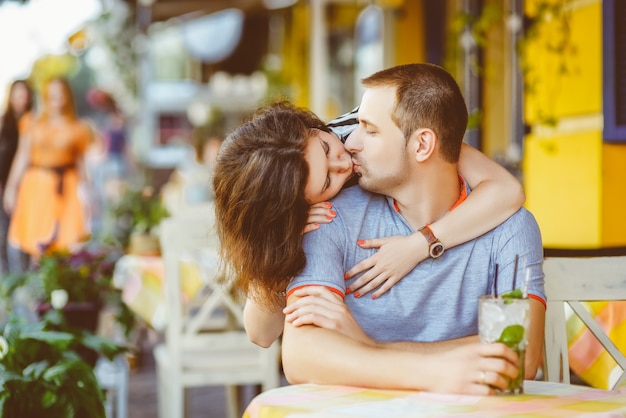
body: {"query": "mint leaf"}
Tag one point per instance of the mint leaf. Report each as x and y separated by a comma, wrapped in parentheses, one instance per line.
(512, 335)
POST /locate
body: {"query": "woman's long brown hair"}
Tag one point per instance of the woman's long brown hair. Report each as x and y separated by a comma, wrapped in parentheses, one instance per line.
(259, 180)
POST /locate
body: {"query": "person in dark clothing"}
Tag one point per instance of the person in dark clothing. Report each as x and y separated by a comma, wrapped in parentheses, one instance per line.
(15, 120)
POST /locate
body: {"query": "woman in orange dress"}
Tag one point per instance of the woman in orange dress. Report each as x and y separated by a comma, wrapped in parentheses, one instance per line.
(42, 191)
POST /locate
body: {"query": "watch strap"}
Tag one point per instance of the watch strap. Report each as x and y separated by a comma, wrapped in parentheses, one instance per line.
(429, 235)
(435, 247)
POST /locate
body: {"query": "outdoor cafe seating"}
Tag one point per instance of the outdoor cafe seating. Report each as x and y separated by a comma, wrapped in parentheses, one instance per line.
(586, 311)
(570, 282)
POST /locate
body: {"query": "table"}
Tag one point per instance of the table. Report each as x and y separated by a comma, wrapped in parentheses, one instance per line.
(141, 279)
(542, 399)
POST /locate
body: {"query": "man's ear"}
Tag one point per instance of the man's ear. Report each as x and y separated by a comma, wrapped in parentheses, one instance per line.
(424, 143)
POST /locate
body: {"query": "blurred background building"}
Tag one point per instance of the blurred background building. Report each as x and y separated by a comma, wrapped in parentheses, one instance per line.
(544, 80)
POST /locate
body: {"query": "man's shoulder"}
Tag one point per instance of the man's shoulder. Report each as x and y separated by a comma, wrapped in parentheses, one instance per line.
(522, 221)
(522, 217)
(351, 193)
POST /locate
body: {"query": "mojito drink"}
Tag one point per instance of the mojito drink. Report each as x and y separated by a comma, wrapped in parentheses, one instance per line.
(506, 320)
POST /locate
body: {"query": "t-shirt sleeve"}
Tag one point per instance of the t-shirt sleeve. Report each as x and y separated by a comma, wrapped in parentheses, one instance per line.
(324, 250)
(521, 241)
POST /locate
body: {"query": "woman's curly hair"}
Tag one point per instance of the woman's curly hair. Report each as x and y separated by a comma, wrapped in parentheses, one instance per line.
(261, 211)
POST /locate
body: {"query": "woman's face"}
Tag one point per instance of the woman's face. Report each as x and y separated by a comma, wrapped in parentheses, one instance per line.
(330, 166)
(56, 97)
(19, 98)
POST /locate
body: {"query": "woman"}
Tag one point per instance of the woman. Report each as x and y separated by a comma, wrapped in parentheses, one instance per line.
(262, 193)
(42, 190)
(16, 118)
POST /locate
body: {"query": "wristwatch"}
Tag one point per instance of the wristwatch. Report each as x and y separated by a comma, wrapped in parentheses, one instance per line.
(435, 247)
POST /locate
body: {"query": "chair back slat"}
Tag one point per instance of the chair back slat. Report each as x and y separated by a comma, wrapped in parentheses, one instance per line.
(568, 282)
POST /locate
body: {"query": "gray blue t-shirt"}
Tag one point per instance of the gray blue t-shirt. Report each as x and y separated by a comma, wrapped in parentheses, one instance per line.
(438, 299)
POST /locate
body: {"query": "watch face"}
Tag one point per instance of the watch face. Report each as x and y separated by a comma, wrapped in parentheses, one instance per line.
(436, 249)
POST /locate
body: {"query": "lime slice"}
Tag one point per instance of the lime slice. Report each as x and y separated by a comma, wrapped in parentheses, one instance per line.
(513, 294)
(512, 335)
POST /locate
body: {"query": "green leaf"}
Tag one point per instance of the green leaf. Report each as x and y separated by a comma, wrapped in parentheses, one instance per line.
(59, 369)
(512, 335)
(513, 294)
(106, 346)
(59, 339)
(48, 399)
(36, 370)
(7, 376)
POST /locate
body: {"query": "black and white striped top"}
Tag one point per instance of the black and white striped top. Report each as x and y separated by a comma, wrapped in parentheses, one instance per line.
(344, 124)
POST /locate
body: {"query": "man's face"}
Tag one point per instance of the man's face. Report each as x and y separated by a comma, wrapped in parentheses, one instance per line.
(378, 147)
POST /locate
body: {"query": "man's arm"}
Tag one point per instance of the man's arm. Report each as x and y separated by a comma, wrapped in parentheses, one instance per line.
(318, 306)
(317, 355)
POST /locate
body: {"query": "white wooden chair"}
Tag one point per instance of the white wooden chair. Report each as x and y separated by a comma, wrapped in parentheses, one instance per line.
(570, 281)
(113, 376)
(192, 355)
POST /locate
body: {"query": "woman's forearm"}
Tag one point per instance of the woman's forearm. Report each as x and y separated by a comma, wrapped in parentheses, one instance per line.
(18, 167)
(263, 326)
(496, 195)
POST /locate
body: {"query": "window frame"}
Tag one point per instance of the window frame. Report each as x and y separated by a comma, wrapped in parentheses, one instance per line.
(613, 132)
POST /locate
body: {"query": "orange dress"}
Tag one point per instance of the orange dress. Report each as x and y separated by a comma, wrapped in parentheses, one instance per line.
(48, 211)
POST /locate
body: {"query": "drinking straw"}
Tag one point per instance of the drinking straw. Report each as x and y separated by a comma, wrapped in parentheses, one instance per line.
(526, 282)
(495, 283)
(515, 270)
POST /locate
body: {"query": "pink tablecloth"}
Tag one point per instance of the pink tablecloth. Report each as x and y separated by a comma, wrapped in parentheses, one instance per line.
(542, 399)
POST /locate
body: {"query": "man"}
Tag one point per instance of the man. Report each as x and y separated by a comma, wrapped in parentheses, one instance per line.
(411, 123)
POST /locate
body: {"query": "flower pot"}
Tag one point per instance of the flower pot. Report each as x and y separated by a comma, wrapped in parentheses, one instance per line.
(144, 244)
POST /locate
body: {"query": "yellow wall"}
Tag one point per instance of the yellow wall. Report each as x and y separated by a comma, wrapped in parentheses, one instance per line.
(573, 180)
(296, 65)
(614, 195)
(568, 82)
(409, 33)
(496, 90)
(562, 178)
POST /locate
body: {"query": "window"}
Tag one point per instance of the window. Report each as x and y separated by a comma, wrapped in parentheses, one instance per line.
(614, 70)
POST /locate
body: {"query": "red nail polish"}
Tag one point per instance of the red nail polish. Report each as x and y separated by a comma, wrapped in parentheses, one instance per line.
(333, 213)
(360, 242)
(374, 296)
(348, 291)
(345, 277)
(357, 294)
(328, 205)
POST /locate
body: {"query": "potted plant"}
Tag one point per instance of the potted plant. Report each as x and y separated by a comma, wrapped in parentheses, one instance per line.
(72, 287)
(137, 213)
(41, 374)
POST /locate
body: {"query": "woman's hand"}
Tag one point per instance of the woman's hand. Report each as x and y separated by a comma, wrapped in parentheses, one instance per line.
(9, 199)
(318, 306)
(320, 213)
(396, 256)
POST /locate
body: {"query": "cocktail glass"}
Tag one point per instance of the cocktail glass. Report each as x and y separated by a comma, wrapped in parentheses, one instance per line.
(506, 320)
